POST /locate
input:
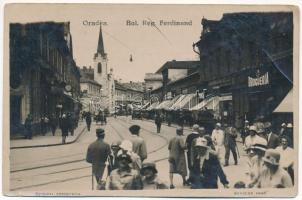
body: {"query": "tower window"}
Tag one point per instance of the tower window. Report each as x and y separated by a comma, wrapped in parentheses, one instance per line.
(99, 68)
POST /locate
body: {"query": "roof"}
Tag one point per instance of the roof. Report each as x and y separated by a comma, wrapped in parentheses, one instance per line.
(85, 80)
(178, 65)
(134, 86)
(153, 77)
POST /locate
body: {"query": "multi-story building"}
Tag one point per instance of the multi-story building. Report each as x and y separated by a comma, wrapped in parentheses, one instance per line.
(129, 95)
(44, 79)
(249, 55)
(90, 90)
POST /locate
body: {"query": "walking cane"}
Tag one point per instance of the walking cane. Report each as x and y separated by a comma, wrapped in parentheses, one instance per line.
(92, 181)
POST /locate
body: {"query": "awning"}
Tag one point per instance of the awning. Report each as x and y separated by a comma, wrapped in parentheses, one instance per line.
(286, 104)
(177, 104)
(211, 103)
(153, 106)
(163, 104)
(189, 101)
(145, 106)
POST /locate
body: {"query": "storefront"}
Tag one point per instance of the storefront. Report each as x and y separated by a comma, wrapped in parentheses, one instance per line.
(258, 92)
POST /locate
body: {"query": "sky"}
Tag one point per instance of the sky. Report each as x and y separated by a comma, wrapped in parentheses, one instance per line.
(149, 46)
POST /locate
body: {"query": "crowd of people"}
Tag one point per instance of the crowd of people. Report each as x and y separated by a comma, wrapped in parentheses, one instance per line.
(198, 158)
(67, 122)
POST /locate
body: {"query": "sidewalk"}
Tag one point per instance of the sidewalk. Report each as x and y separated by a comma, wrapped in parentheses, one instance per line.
(48, 139)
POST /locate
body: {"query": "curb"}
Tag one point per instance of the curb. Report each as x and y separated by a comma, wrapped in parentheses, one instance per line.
(49, 145)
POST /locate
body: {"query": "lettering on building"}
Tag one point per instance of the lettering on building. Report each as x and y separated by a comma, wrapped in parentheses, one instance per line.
(259, 80)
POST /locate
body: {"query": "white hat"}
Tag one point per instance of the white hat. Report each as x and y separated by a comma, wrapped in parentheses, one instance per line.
(253, 128)
(126, 145)
(218, 124)
(195, 127)
(201, 142)
(289, 125)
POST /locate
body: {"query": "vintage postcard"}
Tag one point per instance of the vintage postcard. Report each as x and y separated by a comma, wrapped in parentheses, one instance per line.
(151, 100)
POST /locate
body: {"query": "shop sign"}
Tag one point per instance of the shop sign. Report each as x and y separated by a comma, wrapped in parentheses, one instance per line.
(68, 88)
(259, 80)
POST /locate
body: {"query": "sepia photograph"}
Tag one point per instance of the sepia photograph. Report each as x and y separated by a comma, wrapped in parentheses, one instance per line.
(189, 100)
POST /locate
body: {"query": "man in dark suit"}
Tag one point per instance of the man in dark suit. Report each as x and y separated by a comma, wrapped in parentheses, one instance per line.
(97, 154)
(158, 121)
(273, 140)
(230, 143)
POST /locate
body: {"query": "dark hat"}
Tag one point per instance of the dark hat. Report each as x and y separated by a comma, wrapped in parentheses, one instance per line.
(259, 147)
(267, 125)
(116, 143)
(100, 131)
(134, 129)
(179, 131)
(124, 156)
(148, 166)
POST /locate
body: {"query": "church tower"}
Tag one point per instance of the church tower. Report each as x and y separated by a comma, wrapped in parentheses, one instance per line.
(101, 72)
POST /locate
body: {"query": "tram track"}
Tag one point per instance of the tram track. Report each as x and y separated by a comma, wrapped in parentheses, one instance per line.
(82, 160)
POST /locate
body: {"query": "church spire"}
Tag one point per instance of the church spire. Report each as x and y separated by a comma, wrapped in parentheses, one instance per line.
(100, 49)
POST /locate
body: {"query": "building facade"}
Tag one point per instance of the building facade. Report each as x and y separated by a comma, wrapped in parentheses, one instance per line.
(255, 68)
(44, 79)
(129, 95)
(90, 91)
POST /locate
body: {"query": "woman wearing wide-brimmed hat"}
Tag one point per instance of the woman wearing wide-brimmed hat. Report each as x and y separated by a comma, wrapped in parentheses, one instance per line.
(255, 164)
(273, 176)
(124, 177)
(151, 181)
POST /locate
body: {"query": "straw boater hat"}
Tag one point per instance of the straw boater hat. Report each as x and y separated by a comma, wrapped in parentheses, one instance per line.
(253, 128)
(272, 156)
(195, 127)
(218, 124)
(201, 142)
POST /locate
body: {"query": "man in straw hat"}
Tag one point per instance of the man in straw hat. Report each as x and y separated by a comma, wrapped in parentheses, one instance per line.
(206, 167)
(273, 176)
(253, 138)
(97, 155)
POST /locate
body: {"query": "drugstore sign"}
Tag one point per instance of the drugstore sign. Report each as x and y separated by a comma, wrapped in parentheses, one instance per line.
(259, 80)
